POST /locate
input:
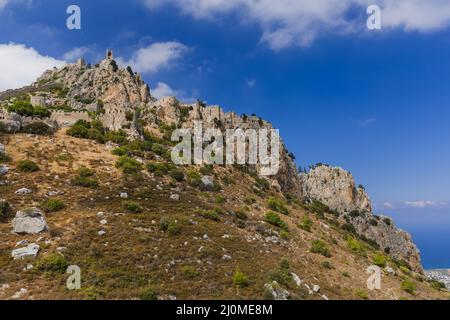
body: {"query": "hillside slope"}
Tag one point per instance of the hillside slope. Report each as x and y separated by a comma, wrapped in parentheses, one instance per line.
(91, 148)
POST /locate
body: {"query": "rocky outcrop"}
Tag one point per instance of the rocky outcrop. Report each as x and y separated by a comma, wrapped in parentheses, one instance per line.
(336, 188)
(29, 251)
(105, 88)
(392, 240)
(29, 221)
(3, 169)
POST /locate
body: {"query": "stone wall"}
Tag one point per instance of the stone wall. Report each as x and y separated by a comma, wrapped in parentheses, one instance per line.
(67, 119)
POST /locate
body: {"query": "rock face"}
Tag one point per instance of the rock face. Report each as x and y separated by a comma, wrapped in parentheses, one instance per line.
(104, 88)
(396, 242)
(3, 170)
(275, 291)
(29, 221)
(29, 251)
(336, 188)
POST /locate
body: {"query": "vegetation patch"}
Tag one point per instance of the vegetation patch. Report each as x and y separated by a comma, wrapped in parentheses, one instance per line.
(52, 205)
(277, 205)
(274, 219)
(27, 166)
(320, 247)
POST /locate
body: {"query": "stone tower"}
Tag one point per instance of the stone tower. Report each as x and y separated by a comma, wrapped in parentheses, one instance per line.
(109, 54)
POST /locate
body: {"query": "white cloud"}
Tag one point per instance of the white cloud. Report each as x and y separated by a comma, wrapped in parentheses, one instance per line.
(3, 4)
(424, 204)
(286, 23)
(21, 65)
(251, 83)
(388, 205)
(75, 53)
(154, 57)
(367, 122)
(163, 90)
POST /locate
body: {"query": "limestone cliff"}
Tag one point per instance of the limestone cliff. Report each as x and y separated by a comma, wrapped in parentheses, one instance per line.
(336, 188)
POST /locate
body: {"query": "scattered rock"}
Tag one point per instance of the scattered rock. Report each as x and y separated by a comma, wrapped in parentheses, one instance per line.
(124, 195)
(2, 149)
(30, 221)
(226, 257)
(389, 270)
(101, 232)
(23, 191)
(208, 183)
(276, 291)
(29, 251)
(19, 293)
(61, 249)
(316, 288)
(22, 243)
(103, 222)
(3, 170)
(175, 197)
(296, 279)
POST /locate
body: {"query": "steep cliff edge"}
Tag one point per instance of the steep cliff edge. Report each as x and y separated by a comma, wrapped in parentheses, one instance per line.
(336, 188)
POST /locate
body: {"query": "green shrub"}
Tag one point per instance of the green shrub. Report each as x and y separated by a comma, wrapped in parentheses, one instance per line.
(277, 205)
(80, 129)
(209, 214)
(39, 128)
(85, 172)
(121, 151)
(148, 294)
(158, 149)
(362, 294)
(240, 215)
(320, 247)
(379, 260)
(4, 157)
(355, 245)
(128, 164)
(194, 178)
(387, 221)
(305, 223)
(52, 263)
(52, 205)
(177, 175)
(84, 182)
(25, 109)
(240, 279)
(402, 264)
(326, 265)
(132, 207)
(119, 136)
(189, 272)
(408, 286)
(27, 166)
(170, 226)
(274, 219)
(318, 208)
(348, 227)
(220, 199)
(282, 274)
(5, 210)
(437, 285)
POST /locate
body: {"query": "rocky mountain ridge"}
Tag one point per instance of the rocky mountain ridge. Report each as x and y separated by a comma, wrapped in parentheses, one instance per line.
(121, 100)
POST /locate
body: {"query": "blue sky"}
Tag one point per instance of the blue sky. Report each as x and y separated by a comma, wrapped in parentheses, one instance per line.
(373, 102)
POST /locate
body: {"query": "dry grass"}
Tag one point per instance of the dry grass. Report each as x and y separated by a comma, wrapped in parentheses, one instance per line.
(135, 253)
